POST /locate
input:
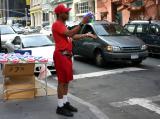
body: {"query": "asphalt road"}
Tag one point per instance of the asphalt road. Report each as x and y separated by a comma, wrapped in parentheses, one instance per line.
(120, 91)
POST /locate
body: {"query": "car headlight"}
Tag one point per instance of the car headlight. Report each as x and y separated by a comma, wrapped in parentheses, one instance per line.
(111, 48)
(143, 47)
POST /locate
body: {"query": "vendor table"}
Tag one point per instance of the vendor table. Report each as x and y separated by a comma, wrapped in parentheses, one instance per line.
(19, 65)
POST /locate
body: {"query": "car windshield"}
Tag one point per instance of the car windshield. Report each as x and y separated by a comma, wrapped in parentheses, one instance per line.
(6, 30)
(110, 30)
(36, 41)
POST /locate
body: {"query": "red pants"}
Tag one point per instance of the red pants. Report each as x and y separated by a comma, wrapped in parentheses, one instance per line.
(63, 66)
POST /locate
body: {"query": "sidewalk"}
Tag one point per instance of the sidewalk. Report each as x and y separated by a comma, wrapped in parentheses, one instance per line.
(39, 108)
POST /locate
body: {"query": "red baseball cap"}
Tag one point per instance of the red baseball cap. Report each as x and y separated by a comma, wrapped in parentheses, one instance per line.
(61, 9)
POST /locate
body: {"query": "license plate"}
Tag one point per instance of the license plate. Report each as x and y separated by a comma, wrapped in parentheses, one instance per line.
(134, 56)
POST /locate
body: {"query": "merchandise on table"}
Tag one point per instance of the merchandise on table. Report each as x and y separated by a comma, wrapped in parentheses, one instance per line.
(18, 58)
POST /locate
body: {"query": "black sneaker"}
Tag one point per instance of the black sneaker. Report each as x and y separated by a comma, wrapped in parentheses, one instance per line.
(69, 107)
(64, 112)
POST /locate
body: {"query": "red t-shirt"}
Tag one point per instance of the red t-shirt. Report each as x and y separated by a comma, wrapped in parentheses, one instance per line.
(62, 42)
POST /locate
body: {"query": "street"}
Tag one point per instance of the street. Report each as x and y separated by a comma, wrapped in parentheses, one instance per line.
(109, 41)
(119, 91)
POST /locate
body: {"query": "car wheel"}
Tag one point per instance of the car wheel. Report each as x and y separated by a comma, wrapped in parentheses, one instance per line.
(138, 62)
(99, 60)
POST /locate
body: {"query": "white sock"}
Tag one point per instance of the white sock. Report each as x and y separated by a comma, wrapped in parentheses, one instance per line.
(60, 103)
(65, 99)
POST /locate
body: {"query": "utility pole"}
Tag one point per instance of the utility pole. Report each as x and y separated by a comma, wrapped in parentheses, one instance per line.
(0, 42)
(6, 3)
(26, 15)
(0, 47)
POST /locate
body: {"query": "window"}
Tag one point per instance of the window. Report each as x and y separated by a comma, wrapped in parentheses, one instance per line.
(82, 7)
(154, 29)
(139, 29)
(6, 30)
(110, 29)
(131, 28)
(143, 28)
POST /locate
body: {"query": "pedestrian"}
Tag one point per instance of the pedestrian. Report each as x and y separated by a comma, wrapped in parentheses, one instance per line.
(63, 56)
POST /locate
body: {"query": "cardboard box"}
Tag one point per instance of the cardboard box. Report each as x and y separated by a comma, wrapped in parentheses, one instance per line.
(18, 69)
(20, 87)
(19, 81)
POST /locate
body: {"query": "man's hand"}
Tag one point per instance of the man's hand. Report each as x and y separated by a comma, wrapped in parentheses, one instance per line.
(86, 35)
(91, 35)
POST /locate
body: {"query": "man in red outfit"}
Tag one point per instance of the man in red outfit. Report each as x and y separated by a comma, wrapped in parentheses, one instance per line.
(62, 56)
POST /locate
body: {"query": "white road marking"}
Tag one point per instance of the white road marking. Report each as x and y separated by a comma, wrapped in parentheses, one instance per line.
(108, 72)
(158, 65)
(95, 110)
(143, 102)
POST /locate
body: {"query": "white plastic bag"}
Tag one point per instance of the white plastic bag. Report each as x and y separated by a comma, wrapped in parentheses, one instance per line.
(44, 72)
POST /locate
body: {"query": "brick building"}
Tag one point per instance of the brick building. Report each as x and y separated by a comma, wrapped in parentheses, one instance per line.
(123, 10)
(13, 10)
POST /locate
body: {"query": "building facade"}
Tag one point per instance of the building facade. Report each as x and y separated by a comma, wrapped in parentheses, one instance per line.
(13, 10)
(47, 13)
(141, 10)
(36, 12)
(81, 7)
(67, 3)
(124, 10)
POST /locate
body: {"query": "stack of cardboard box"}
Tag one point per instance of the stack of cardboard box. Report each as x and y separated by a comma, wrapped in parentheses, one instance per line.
(19, 81)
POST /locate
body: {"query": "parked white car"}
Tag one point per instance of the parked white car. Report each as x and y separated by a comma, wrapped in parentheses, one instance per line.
(39, 44)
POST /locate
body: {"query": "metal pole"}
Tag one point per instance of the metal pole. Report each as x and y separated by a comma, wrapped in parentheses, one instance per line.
(26, 15)
(0, 47)
(7, 9)
(0, 42)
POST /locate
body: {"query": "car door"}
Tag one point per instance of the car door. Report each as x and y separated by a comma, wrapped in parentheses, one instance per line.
(142, 31)
(155, 37)
(86, 44)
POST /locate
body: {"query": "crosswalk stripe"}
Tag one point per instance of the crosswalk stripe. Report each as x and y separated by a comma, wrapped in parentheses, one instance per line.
(143, 102)
(108, 72)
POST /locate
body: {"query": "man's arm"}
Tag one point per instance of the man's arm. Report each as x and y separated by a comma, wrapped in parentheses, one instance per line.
(79, 36)
(75, 30)
(72, 32)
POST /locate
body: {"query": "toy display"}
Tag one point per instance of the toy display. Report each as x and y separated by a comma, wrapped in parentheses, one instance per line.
(19, 58)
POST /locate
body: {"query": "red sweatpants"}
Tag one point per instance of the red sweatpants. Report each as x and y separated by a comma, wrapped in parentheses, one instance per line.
(63, 66)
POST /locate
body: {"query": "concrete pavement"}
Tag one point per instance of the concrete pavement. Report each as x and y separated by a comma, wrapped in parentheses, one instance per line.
(39, 108)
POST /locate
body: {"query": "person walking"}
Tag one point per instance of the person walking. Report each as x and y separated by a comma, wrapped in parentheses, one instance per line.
(63, 56)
